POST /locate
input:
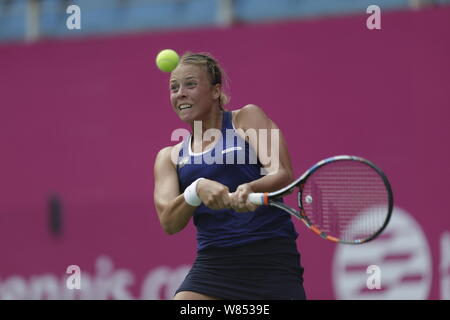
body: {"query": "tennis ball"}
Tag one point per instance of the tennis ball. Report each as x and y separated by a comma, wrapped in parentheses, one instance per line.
(167, 60)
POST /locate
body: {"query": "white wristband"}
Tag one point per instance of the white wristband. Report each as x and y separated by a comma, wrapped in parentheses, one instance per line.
(191, 196)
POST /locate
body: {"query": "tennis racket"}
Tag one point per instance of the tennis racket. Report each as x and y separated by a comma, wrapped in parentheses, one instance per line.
(344, 199)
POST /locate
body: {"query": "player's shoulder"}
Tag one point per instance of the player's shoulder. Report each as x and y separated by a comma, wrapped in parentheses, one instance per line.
(165, 154)
(249, 109)
(249, 116)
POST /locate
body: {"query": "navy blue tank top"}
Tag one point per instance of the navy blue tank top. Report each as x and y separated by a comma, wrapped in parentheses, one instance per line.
(231, 162)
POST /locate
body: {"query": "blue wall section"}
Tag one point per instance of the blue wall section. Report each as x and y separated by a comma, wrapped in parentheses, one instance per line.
(118, 16)
(251, 10)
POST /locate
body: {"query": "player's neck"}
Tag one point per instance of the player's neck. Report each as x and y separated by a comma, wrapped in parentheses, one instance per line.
(212, 120)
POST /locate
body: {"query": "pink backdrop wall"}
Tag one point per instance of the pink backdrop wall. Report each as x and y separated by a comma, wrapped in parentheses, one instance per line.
(85, 119)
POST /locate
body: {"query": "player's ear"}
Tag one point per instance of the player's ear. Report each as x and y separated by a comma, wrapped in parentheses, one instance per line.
(217, 91)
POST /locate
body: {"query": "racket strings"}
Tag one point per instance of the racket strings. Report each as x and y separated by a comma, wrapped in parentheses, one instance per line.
(347, 200)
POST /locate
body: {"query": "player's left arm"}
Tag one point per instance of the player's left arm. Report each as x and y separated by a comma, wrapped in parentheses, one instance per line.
(272, 152)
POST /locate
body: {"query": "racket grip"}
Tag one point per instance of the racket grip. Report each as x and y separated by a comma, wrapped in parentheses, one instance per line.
(256, 198)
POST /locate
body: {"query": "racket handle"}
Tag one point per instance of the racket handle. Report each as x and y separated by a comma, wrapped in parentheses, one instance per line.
(257, 198)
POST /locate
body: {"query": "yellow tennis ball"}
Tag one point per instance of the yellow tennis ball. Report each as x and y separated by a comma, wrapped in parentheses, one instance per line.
(167, 60)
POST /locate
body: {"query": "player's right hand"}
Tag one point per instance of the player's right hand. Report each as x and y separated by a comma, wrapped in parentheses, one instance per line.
(213, 194)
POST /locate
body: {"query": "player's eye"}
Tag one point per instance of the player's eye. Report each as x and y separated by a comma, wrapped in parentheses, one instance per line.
(191, 84)
(174, 88)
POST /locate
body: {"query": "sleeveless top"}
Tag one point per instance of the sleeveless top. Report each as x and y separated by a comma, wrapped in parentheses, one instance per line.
(231, 162)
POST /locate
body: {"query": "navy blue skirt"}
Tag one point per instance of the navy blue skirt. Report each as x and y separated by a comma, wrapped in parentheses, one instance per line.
(262, 270)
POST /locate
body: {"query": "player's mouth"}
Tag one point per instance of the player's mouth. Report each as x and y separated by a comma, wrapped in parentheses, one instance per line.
(184, 106)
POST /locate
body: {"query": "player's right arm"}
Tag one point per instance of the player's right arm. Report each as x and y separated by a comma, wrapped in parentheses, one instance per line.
(173, 211)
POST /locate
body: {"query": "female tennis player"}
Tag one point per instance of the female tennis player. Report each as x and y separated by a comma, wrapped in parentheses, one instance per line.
(243, 251)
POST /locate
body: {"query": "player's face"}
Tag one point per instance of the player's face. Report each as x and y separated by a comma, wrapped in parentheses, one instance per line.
(191, 93)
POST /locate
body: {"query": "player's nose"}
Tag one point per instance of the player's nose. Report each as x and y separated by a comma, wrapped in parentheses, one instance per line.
(182, 92)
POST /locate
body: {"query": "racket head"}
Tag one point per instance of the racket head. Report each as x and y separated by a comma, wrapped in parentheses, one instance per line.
(345, 199)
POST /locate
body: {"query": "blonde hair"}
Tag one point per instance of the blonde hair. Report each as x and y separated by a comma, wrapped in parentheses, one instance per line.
(215, 72)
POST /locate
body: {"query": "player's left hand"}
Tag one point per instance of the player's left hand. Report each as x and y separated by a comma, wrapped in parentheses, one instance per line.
(239, 199)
